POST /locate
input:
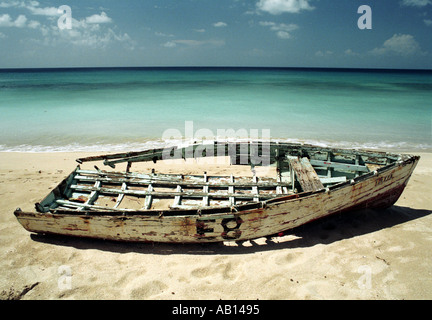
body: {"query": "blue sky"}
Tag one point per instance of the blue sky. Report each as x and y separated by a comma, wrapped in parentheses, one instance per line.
(276, 33)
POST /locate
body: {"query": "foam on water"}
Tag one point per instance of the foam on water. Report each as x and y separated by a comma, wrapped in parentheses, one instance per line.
(125, 147)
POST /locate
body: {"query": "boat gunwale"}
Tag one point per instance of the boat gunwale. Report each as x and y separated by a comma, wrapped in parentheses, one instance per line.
(152, 154)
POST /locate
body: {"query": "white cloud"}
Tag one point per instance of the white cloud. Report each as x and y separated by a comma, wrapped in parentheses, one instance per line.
(416, 3)
(350, 52)
(283, 6)
(399, 44)
(98, 18)
(428, 22)
(9, 4)
(219, 24)
(200, 30)
(83, 34)
(323, 53)
(169, 44)
(48, 11)
(91, 35)
(89, 32)
(282, 30)
(34, 24)
(86, 35)
(34, 8)
(161, 34)
(194, 43)
(283, 35)
(7, 21)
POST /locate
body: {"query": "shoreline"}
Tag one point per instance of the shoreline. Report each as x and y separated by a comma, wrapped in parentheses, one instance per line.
(152, 143)
(368, 254)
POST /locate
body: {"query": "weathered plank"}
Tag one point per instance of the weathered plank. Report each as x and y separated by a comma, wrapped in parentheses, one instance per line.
(76, 205)
(231, 190)
(305, 173)
(269, 152)
(177, 198)
(177, 194)
(186, 183)
(149, 198)
(340, 166)
(205, 201)
(326, 180)
(120, 196)
(255, 189)
(93, 195)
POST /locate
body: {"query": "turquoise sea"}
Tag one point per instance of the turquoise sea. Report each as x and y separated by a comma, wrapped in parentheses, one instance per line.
(121, 109)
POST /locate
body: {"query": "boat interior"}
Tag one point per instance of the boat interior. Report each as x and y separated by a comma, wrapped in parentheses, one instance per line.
(293, 170)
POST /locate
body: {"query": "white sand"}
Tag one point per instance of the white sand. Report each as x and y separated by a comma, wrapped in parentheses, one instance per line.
(359, 255)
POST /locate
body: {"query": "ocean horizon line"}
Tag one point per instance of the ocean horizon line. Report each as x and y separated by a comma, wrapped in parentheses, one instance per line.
(222, 68)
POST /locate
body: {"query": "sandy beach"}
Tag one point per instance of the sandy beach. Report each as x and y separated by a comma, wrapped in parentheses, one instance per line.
(359, 255)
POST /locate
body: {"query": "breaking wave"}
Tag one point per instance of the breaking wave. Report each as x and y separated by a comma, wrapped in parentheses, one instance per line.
(152, 144)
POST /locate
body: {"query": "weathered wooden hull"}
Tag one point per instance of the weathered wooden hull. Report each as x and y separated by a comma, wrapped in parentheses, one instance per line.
(377, 189)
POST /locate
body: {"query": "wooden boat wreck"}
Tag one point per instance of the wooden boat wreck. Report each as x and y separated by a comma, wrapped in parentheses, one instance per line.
(310, 182)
